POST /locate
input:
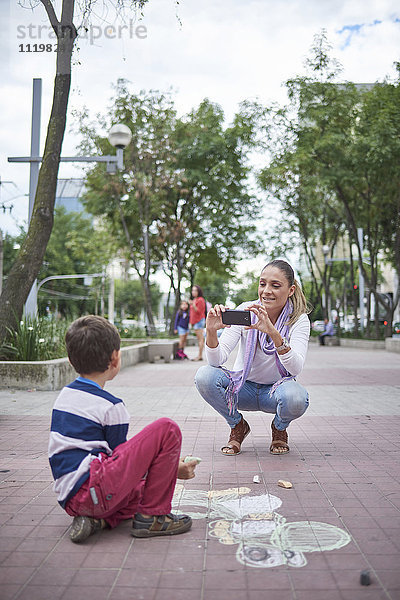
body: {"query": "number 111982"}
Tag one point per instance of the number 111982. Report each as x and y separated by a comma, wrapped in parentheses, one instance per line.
(37, 48)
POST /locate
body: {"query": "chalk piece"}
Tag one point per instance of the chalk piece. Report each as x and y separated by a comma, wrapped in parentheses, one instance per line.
(284, 484)
(256, 479)
(190, 458)
(365, 578)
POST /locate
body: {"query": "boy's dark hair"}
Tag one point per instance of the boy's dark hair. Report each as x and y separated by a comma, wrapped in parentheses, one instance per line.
(90, 343)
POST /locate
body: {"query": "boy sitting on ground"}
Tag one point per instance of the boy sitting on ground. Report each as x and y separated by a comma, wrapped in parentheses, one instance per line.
(101, 478)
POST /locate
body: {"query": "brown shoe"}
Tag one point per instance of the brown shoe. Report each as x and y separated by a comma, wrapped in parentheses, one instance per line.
(279, 443)
(157, 525)
(238, 434)
(83, 527)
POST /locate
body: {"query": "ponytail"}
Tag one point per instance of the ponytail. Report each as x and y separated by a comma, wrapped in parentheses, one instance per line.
(299, 303)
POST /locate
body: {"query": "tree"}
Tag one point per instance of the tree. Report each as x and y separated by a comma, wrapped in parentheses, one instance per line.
(248, 290)
(30, 256)
(75, 247)
(182, 201)
(336, 169)
(129, 298)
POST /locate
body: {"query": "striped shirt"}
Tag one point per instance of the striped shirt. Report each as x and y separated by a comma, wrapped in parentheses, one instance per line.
(86, 421)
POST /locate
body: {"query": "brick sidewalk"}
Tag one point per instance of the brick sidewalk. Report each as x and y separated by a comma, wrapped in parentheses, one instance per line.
(250, 541)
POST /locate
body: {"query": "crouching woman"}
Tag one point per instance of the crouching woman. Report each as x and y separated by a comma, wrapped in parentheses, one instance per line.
(271, 354)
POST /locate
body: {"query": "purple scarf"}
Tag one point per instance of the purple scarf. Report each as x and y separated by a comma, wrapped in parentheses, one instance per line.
(237, 378)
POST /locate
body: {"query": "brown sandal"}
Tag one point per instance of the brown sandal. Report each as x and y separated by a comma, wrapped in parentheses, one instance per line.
(279, 440)
(238, 434)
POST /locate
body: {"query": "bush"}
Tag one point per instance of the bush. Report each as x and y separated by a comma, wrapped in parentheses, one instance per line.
(130, 331)
(36, 339)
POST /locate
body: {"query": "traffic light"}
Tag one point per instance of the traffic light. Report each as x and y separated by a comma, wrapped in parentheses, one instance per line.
(355, 287)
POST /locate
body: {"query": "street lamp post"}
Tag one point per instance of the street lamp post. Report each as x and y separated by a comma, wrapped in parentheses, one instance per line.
(119, 136)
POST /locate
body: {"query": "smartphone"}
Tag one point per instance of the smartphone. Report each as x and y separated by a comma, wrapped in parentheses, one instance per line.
(236, 317)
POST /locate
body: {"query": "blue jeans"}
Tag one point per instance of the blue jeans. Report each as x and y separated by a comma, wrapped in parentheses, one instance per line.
(288, 402)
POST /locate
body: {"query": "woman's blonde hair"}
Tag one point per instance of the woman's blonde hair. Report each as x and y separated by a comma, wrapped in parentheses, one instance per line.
(298, 299)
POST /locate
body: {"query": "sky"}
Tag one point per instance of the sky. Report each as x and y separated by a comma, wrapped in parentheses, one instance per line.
(228, 51)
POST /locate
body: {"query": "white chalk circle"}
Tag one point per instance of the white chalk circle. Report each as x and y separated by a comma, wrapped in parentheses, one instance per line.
(309, 536)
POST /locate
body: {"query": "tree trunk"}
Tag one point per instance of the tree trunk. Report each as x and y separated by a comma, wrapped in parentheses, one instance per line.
(29, 260)
(1, 261)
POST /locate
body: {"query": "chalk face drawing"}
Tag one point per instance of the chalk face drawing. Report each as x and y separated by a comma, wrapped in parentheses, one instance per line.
(263, 537)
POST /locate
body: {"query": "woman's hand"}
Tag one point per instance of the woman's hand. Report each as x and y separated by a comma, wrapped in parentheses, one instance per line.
(213, 323)
(214, 318)
(263, 323)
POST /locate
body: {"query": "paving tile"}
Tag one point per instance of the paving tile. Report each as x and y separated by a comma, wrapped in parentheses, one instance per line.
(42, 592)
(176, 594)
(8, 590)
(187, 562)
(271, 595)
(69, 560)
(137, 578)
(24, 559)
(96, 577)
(390, 578)
(121, 593)
(181, 580)
(327, 595)
(232, 580)
(271, 579)
(307, 579)
(364, 593)
(106, 560)
(85, 592)
(13, 575)
(145, 561)
(52, 575)
(343, 471)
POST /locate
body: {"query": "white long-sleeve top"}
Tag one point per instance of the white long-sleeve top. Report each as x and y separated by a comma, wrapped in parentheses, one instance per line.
(264, 368)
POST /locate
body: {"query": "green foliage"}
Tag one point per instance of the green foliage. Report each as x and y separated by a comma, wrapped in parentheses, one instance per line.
(129, 298)
(75, 246)
(215, 285)
(36, 339)
(131, 331)
(248, 290)
(335, 152)
(182, 202)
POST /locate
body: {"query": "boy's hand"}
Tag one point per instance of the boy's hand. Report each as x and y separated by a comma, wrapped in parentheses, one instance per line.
(186, 469)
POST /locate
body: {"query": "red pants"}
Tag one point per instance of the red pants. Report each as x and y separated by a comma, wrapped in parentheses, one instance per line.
(139, 476)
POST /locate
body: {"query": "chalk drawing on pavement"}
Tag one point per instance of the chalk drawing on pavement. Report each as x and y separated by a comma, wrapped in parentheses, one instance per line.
(263, 537)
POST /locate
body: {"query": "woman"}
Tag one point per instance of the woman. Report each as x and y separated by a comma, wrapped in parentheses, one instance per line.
(271, 354)
(198, 317)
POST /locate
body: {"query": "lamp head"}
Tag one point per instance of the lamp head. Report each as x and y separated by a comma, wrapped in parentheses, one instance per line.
(119, 136)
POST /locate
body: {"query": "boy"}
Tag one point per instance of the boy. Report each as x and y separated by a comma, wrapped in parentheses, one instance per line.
(100, 478)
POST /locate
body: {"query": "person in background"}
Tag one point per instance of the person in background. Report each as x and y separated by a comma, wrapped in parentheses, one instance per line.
(181, 328)
(198, 317)
(328, 330)
(271, 354)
